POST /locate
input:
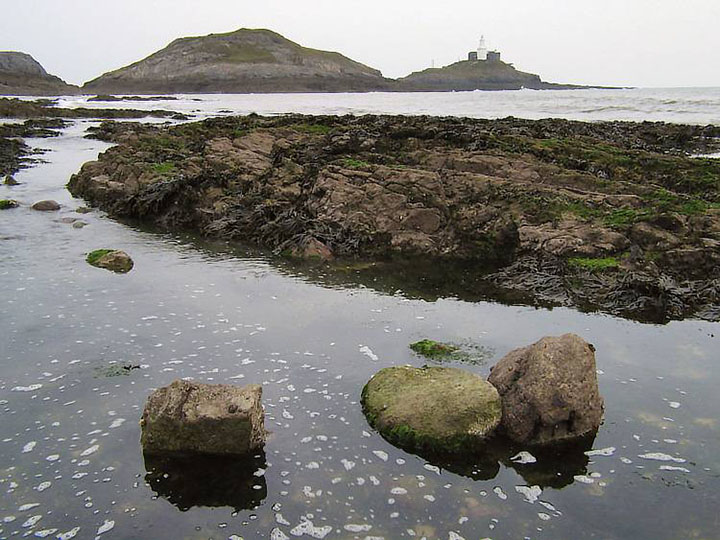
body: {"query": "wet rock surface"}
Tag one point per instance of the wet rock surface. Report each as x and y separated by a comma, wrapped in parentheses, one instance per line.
(610, 216)
(188, 418)
(549, 391)
(439, 409)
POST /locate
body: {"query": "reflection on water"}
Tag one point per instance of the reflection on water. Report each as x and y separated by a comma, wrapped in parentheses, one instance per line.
(212, 481)
(546, 466)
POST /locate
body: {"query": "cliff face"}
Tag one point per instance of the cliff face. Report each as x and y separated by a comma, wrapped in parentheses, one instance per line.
(470, 75)
(240, 62)
(22, 75)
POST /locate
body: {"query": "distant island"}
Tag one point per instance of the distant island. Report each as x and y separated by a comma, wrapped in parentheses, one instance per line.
(262, 61)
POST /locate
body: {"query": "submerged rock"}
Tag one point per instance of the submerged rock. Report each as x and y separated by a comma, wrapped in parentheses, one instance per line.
(46, 206)
(432, 408)
(110, 259)
(187, 418)
(549, 391)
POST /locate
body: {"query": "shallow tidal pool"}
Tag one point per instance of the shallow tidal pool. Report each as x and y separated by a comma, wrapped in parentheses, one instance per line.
(82, 348)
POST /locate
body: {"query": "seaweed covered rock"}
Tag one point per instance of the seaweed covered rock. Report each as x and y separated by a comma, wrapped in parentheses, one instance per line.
(194, 418)
(110, 259)
(549, 391)
(432, 408)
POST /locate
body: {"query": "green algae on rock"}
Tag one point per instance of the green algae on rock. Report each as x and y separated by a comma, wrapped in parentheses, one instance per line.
(5, 204)
(437, 409)
(466, 352)
(434, 350)
(110, 259)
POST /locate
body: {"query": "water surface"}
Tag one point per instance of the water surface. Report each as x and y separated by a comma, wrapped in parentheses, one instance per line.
(70, 459)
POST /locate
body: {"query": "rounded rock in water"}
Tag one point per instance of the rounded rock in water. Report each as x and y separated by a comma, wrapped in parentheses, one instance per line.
(432, 408)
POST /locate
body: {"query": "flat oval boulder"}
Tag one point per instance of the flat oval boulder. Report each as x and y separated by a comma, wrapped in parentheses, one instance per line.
(549, 391)
(439, 409)
(194, 418)
(46, 206)
(110, 259)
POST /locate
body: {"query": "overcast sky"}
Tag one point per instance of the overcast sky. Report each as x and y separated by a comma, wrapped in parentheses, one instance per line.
(607, 42)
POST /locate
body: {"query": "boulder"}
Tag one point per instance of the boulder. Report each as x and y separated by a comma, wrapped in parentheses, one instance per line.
(111, 259)
(10, 181)
(194, 418)
(46, 206)
(549, 391)
(432, 408)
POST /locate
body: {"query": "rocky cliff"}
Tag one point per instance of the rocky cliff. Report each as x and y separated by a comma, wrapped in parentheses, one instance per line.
(243, 61)
(22, 75)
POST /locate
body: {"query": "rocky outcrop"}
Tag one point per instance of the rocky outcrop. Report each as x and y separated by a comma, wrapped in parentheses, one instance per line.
(110, 259)
(243, 61)
(470, 75)
(194, 418)
(565, 212)
(432, 408)
(549, 391)
(22, 75)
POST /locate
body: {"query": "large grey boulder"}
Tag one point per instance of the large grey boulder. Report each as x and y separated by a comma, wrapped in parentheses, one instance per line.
(549, 391)
(194, 418)
(432, 408)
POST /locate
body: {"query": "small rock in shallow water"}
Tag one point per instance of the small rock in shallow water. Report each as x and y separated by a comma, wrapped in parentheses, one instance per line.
(46, 206)
(10, 181)
(6, 204)
(189, 417)
(110, 259)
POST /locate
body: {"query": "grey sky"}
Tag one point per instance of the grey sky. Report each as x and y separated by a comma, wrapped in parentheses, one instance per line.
(611, 42)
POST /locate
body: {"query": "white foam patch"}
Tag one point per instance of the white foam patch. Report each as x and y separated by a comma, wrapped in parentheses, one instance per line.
(531, 493)
(94, 448)
(659, 456)
(108, 525)
(367, 351)
(72, 533)
(605, 452)
(30, 388)
(351, 527)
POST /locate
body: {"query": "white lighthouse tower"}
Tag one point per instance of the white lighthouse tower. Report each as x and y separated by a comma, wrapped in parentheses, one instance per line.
(482, 51)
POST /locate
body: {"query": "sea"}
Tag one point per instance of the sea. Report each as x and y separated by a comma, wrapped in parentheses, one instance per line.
(82, 348)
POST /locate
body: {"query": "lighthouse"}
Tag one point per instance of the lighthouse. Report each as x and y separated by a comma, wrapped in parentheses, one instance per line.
(482, 50)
